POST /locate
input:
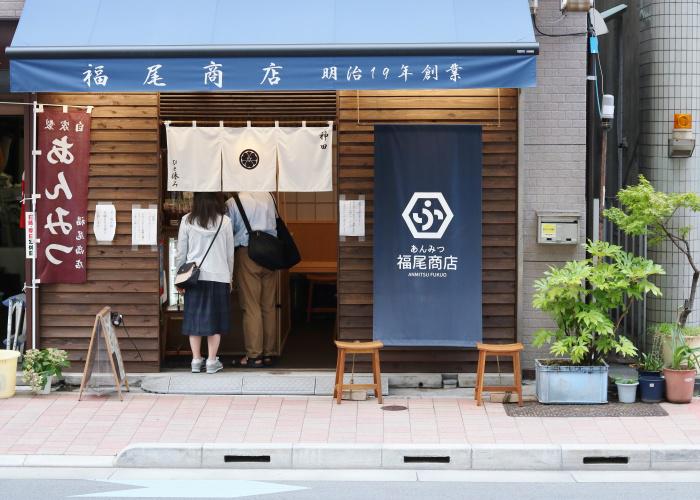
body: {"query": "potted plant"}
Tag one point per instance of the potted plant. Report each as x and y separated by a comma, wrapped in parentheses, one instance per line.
(651, 383)
(689, 335)
(580, 297)
(626, 389)
(40, 366)
(680, 376)
(646, 211)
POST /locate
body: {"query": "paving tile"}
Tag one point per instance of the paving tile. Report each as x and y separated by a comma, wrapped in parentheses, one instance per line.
(58, 424)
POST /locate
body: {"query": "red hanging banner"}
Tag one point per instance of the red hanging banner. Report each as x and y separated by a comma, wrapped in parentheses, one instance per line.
(63, 140)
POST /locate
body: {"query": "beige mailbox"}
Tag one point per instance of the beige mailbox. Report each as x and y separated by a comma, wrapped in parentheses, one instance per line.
(558, 228)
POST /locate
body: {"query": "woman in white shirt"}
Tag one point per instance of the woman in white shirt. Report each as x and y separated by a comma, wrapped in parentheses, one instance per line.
(207, 303)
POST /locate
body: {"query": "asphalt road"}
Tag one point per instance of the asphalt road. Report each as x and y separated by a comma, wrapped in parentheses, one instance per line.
(41, 484)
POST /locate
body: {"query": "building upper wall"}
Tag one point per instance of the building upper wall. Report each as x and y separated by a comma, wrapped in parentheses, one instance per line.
(11, 9)
(552, 156)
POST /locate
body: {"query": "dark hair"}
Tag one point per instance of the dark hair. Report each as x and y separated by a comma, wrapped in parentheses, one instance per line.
(205, 208)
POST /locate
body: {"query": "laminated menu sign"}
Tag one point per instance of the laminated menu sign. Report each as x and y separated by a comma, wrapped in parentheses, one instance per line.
(352, 218)
(144, 226)
(63, 141)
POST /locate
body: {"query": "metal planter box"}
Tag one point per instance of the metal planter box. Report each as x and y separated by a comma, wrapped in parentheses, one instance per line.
(571, 384)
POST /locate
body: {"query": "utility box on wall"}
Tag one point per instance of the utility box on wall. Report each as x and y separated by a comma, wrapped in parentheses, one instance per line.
(558, 228)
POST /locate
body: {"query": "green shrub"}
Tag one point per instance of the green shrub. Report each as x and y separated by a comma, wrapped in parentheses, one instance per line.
(580, 297)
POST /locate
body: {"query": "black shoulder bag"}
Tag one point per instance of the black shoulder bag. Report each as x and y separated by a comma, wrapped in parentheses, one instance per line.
(271, 252)
(188, 274)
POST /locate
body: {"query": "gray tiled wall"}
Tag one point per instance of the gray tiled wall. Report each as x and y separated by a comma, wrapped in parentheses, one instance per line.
(670, 83)
(552, 155)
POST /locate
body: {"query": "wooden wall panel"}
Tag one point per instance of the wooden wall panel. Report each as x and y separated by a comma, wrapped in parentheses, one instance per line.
(494, 109)
(262, 108)
(124, 170)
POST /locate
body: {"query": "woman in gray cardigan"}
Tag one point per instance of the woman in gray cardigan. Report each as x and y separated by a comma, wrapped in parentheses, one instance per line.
(207, 303)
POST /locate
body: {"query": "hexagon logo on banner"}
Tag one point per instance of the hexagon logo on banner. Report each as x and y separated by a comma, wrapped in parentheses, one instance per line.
(427, 215)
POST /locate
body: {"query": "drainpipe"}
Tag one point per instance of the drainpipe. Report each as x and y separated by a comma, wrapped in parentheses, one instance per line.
(591, 125)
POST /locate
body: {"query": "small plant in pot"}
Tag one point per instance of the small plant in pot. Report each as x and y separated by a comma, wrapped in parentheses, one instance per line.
(671, 335)
(580, 297)
(651, 363)
(41, 365)
(627, 389)
(680, 376)
(651, 383)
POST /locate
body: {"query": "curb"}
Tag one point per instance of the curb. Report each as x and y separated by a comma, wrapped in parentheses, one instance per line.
(79, 461)
(307, 456)
(411, 456)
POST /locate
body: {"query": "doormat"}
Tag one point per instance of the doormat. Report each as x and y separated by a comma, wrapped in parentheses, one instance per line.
(534, 409)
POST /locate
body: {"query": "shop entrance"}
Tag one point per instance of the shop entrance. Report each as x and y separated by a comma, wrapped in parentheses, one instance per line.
(11, 235)
(307, 293)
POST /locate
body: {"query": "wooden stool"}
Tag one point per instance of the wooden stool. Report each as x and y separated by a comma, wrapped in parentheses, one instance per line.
(371, 348)
(318, 279)
(512, 350)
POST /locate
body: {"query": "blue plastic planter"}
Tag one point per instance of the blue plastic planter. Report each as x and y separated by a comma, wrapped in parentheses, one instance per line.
(567, 384)
(651, 388)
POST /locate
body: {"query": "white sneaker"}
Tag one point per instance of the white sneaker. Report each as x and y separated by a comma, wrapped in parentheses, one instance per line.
(197, 365)
(214, 366)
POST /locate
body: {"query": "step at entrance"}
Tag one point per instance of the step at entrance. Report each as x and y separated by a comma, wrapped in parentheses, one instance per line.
(253, 384)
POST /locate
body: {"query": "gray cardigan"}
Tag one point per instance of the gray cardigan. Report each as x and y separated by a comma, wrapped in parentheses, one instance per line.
(193, 241)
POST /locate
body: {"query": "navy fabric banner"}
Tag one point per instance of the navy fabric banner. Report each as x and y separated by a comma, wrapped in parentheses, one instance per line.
(427, 235)
(277, 73)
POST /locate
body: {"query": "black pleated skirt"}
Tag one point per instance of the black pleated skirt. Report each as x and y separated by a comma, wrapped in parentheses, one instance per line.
(207, 309)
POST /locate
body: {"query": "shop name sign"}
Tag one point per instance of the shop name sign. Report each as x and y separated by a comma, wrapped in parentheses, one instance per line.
(273, 73)
(427, 216)
(30, 233)
(63, 140)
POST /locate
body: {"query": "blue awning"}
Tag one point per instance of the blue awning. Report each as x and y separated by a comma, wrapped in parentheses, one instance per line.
(210, 45)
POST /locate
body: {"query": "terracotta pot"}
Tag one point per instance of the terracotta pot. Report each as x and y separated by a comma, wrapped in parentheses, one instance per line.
(679, 385)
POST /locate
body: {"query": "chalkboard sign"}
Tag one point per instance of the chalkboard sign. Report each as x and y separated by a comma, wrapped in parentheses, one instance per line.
(104, 338)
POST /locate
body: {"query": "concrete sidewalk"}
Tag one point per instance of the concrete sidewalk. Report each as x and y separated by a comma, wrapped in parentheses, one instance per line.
(199, 431)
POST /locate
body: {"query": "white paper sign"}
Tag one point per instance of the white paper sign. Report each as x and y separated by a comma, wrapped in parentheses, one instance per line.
(144, 226)
(105, 223)
(352, 217)
(30, 232)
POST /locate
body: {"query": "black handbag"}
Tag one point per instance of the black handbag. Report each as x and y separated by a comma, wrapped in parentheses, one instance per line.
(271, 252)
(188, 274)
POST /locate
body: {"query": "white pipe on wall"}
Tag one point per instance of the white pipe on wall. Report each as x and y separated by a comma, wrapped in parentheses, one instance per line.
(34, 280)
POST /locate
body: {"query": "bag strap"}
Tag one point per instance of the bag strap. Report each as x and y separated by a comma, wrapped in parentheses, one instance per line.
(212, 241)
(242, 212)
(277, 212)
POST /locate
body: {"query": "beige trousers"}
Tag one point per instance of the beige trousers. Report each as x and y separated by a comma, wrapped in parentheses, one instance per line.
(257, 291)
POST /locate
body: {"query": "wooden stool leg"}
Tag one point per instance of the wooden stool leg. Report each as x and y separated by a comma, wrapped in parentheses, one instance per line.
(337, 368)
(377, 377)
(480, 377)
(517, 375)
(341, 377)
(309, 303)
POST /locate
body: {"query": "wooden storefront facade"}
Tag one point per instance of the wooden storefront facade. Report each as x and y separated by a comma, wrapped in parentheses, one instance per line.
(125, 168)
